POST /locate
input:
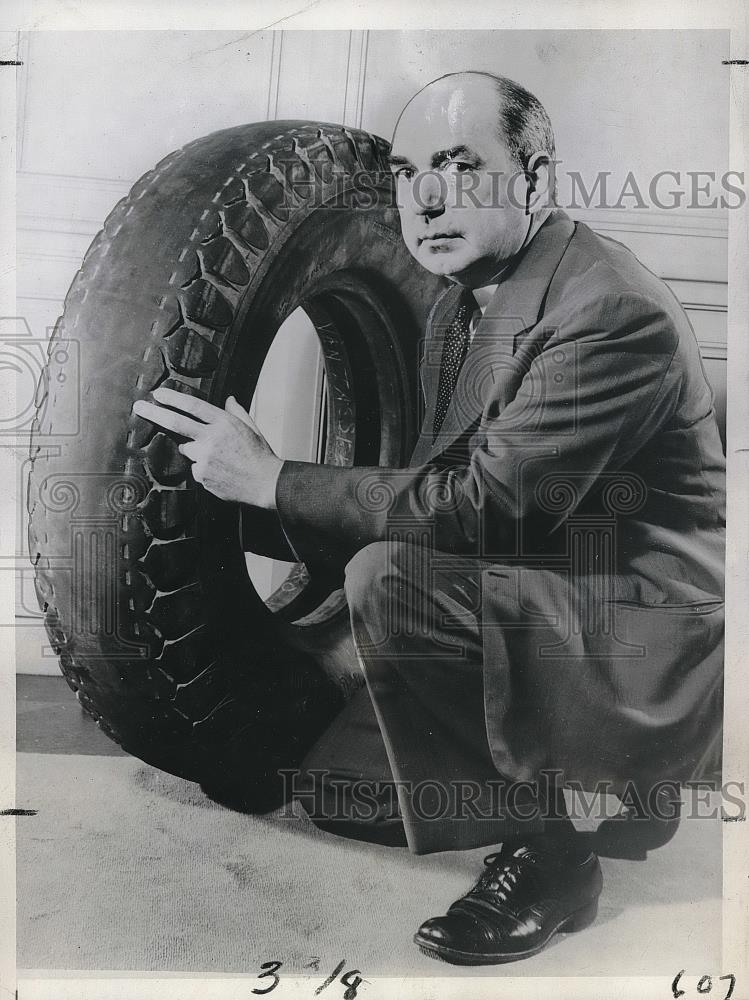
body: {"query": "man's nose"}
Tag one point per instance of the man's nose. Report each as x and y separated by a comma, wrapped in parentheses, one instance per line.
(429, 193)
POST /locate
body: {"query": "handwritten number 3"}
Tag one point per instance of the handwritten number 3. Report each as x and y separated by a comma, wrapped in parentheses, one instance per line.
(271, 970)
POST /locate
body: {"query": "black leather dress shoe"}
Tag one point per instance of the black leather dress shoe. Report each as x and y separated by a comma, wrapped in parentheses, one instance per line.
(521, 900)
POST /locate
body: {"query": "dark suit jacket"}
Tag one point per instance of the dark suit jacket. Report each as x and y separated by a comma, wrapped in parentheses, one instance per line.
(580, 462)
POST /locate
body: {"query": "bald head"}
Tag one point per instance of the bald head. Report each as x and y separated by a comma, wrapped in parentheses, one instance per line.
(499, 104)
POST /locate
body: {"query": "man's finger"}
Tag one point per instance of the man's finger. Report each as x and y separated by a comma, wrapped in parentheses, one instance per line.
(237, 410)
(253, 426)
(168, 419)
(196, 407)
(190, 449)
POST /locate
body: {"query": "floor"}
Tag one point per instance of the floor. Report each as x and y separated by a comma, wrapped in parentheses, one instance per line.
(123, 867)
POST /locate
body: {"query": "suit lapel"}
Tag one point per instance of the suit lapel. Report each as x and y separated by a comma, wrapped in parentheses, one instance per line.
(512, 312)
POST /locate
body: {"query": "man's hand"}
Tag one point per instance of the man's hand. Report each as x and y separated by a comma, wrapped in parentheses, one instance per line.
(230, 456)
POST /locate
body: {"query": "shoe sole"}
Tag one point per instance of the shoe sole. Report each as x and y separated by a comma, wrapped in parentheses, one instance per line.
(576, 921)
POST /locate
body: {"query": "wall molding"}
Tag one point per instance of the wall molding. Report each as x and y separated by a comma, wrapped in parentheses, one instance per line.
(712, 350)
(704, 222)
(353, 97)
(274, 81)
(77, 180)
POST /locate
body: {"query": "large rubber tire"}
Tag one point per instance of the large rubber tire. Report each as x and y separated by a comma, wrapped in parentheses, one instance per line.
(140, 572)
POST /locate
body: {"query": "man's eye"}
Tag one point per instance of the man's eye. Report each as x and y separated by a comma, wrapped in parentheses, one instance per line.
(459, 166)
(405, 173)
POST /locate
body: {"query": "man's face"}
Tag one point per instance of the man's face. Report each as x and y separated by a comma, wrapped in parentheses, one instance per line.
(460, 193)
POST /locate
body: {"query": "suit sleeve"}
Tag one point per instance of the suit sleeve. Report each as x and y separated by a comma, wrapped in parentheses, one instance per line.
(598, 389)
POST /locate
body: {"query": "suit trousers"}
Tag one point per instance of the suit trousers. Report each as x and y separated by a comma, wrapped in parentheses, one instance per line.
(415, 618)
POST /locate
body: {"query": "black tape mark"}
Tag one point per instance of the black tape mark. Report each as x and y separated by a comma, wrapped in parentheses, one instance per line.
(10, 62)
(18, 812)
(735, 62)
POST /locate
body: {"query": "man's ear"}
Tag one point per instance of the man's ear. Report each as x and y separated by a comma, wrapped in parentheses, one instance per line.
(540, 174)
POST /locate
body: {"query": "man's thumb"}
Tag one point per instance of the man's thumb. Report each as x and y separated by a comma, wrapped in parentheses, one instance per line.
(233, 407)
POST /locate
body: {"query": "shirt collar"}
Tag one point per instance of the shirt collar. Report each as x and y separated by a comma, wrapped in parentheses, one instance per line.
(484, 295)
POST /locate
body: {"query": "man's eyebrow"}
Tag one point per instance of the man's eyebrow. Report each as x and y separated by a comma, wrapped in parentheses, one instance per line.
(394, 160)
(453, 153)
(397, 161)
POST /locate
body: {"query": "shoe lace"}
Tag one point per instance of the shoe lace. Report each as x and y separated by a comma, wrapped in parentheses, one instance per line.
(498, 881)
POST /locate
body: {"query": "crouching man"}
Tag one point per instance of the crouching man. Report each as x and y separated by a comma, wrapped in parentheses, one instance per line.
(554, 603)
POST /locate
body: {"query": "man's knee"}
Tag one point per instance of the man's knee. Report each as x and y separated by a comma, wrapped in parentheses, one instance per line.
(367, 573)
(378, 572)
(379, 588)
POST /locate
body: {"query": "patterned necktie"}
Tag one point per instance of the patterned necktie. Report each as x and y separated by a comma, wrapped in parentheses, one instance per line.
(454, 350)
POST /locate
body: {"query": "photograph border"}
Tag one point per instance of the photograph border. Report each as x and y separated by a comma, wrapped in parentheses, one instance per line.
(51, 15)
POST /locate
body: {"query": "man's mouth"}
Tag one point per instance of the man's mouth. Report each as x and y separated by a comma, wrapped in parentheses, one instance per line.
(438, 237)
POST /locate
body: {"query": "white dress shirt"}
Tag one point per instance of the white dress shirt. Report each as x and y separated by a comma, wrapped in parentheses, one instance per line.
(483, 297)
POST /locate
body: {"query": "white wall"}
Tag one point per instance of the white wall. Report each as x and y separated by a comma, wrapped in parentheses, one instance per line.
(97, 109)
